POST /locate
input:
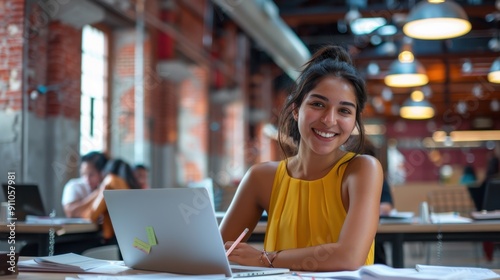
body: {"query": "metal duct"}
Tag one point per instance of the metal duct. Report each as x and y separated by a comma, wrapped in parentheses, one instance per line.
(260, 19)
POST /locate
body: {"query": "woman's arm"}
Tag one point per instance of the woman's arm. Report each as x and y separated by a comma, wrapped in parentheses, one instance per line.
(80, 208)
(99, 204)
(361, 189)
(251, 199)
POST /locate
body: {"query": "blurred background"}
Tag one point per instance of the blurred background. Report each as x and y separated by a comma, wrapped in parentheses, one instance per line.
(193, 89)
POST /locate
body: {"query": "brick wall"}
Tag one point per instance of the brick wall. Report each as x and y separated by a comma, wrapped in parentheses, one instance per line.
(193, 119)
(64, 71)
(37, 60)
(11, 53)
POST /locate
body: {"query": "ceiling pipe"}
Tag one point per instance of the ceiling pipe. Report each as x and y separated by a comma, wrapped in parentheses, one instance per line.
(261, 20)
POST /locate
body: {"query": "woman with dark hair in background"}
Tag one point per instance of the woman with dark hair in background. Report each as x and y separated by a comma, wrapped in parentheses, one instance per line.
(118, 176)
(141, 173)
(468, 176)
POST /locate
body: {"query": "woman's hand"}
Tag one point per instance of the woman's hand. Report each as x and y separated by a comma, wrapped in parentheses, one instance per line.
(245, 254)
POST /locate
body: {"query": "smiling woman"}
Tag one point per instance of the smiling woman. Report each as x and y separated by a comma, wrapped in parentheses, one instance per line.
(322, 202)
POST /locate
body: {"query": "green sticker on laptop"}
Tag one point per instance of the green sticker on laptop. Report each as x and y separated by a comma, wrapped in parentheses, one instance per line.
(151, 236)
(141, 245)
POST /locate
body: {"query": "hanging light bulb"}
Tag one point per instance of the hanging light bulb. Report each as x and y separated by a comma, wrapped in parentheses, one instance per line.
(416, 107)
(437, 20)
(406, 71)
(494, 74)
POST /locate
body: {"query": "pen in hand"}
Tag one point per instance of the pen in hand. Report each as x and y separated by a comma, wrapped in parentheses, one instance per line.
(236, 242)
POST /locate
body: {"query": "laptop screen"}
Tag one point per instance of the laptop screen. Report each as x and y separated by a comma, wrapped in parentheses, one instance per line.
(27, 200)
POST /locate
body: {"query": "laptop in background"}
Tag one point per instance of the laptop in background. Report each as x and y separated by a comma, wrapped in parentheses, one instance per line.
(207, 183)
(491, 202)
(172, 230)
(28, 200)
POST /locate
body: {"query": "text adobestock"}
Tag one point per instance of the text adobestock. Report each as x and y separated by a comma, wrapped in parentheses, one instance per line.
(11, 220)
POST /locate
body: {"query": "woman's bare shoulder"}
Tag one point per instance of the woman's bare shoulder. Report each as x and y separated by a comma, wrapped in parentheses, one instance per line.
(363, 167)
(362, 161)
(264, 168)
(262, 173)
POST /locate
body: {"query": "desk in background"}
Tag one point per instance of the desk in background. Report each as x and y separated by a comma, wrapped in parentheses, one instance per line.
(39, 233)
(398, 234)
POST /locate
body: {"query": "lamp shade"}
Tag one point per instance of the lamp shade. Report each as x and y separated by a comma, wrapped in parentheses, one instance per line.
(494, 74)
(406, 74)
(436, 20)
(416, 107)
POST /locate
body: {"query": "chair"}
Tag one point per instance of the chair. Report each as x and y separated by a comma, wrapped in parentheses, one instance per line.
(451, 200)
(107, 252)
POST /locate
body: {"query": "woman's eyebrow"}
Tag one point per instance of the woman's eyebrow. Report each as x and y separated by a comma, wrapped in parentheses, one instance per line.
(319, 96)
(347, 103)
(322, 97)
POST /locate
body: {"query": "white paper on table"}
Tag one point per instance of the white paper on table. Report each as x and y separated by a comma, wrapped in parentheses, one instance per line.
(449, 218)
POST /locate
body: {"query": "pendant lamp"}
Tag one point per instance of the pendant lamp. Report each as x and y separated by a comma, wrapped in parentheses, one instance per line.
(494, 74)
(436, 20)
(416, 107)
(406, 71)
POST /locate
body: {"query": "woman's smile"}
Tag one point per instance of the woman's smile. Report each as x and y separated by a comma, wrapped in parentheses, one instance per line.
(324, 134)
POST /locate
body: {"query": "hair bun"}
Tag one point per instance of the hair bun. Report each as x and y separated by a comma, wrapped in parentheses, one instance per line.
(332, 52)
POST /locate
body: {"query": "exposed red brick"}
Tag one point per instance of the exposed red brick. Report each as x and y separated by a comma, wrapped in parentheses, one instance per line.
(64, 71)
(11, 54)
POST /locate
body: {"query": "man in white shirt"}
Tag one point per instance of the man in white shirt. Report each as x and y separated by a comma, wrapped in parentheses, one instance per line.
(79, 193)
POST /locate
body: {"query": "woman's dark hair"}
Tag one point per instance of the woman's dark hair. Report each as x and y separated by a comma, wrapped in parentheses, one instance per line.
(140, 167)
(469, 170)
(97, 159)
(122, 169)
(328, 61)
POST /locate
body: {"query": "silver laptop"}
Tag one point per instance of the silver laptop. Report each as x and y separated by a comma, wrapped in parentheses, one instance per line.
(172, 230)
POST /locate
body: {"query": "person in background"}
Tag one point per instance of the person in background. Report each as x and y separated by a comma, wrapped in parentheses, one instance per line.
(477, 195)
(79, 193)
(77, 198)
(386, 204)
(118, 175)
(322, 202)
(396, 171)
(468, 176)
(141, 173)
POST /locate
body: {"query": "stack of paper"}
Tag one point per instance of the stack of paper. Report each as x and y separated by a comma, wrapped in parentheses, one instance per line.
(95, 269)
(422, 272)
(458, 271)
(449, 218)
(71, 263)
(30, 219)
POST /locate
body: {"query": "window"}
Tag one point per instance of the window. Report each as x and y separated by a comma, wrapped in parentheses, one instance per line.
(94, 90)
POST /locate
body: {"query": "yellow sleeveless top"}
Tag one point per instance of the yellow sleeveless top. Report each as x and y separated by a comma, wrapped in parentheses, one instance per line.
(307, 213)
